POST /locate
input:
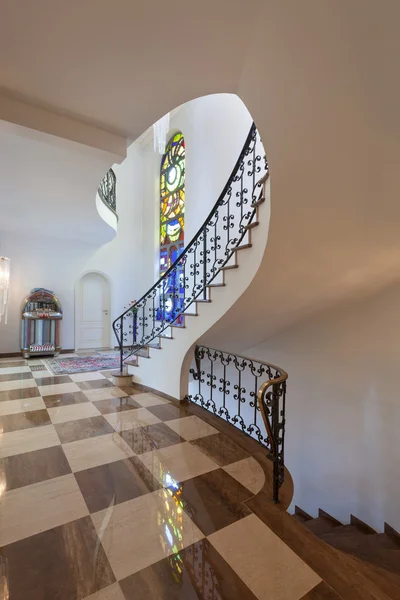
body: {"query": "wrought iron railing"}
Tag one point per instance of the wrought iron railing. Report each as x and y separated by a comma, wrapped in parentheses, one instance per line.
(247, 393)
(108, 190)
(203, 258)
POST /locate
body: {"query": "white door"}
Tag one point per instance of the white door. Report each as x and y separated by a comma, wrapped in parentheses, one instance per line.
(94, 312)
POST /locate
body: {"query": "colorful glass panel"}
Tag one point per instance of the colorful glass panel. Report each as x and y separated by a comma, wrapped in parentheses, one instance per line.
(172, 224)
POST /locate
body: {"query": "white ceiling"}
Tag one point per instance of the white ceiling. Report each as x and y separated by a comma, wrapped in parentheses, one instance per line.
(122, 64)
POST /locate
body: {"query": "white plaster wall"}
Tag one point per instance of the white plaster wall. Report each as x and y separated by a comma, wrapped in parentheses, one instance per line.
(343, 410)
(40, 262)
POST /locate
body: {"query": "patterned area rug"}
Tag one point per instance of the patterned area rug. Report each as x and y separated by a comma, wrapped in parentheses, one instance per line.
(82, 364)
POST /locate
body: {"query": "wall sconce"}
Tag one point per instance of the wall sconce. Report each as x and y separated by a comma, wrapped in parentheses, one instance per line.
(4, 285)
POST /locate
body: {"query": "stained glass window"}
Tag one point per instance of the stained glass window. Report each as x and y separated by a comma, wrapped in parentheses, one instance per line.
(172, 221)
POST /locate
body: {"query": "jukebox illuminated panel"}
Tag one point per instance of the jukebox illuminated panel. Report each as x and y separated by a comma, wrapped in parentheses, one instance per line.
(41, 324)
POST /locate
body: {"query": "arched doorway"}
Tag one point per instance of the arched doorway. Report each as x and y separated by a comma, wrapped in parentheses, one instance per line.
(93, 318)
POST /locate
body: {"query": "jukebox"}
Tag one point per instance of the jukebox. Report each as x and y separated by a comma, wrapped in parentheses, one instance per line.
(41, 324)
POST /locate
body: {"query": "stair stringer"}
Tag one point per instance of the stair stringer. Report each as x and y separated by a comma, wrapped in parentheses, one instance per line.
(167, 369)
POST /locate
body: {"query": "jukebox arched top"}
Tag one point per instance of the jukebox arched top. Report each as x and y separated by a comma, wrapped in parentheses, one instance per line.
(41, 303)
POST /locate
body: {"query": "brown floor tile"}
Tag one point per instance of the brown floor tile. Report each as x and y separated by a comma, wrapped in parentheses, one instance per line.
(57, 379)
(321, 592)
(131, 390)
(15, 376)
(214, 500)
(94, 384)
(71, 431)
(195, 573)
(221, 448)
(115, 482)
(167, 412)
(31, 467)
(19, 394)
(151, 437)
(66, 399)
(13, 363)
(112, 405)
(32, 418)
(63, 563)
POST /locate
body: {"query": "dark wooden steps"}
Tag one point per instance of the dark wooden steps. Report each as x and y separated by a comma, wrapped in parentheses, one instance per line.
(377, 555)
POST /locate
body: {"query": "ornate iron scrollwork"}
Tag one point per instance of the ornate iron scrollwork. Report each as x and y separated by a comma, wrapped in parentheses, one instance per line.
(108, 190)
(256, 406)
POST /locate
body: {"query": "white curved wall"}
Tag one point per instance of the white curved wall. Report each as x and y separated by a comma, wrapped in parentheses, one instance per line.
(106, 214)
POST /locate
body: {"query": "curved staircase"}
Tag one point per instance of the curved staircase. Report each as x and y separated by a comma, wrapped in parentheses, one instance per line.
(376, 555)
(163, 312)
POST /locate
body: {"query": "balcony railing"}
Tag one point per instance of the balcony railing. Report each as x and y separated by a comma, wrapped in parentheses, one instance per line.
(108, 190)
(247, 393)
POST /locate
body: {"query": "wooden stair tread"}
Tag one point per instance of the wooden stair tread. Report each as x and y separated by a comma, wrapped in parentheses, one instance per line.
(387, 581)
(368, 548)
(343, 532)
(320, 525)
(301, 515)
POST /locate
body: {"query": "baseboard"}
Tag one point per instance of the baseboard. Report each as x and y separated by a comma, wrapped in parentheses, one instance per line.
(19, 354)
(146, 388)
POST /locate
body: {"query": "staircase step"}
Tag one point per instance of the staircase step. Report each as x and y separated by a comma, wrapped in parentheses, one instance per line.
(301, 515)
(252, 225)
(165, 337)
(371, 548)
(320, 525)
(260, 201)
(361, 525)
(243, 247)
(216, 285)
(343, 533)
(322, 513)
(394, 535)
(228, 267)
(202, 300)
(131, 362)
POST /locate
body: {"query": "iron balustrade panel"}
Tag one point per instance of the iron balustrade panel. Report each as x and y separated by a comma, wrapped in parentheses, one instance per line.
(202, 259)
(248, 394)
(108, 190)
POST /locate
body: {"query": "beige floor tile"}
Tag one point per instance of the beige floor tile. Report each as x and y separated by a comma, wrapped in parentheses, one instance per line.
(72, 412)
(138, 532)
(91, 375)
(149, 400)
(38, 507)
(17, 384)
(111, 592)
(104, 393)
(248, 472)
(179, 462)
(12, 370)
(96, 451)
(44, 373)
(267, 566)
(129, 419)
(27, 440)
(191, 428)
(12, 407)
(60, 388)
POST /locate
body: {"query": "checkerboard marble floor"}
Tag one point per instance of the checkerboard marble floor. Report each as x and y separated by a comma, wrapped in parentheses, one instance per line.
(108, 493)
